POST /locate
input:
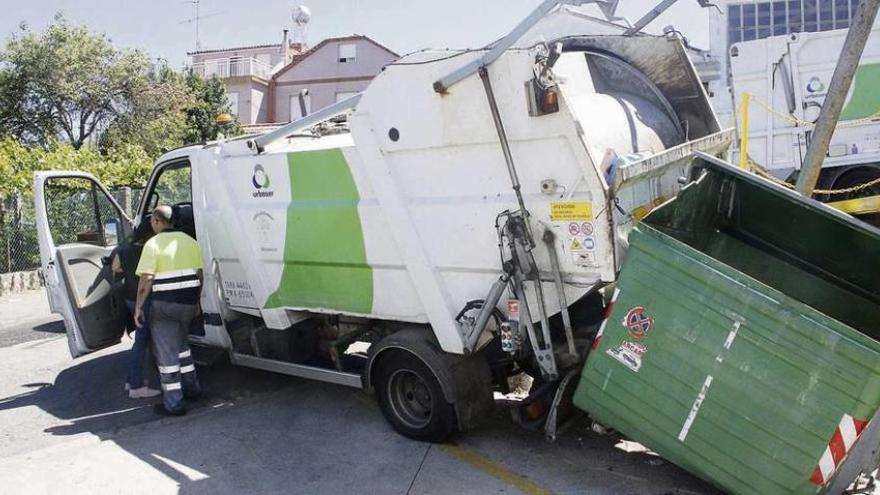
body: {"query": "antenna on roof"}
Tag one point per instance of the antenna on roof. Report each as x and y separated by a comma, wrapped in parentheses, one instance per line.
(196, 19)
(301, 15)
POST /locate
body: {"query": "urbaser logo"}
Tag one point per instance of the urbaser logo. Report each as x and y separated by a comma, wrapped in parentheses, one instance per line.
(261, 182)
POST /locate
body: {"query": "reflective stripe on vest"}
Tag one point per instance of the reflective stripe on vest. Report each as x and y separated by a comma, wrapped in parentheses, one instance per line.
(176, 280)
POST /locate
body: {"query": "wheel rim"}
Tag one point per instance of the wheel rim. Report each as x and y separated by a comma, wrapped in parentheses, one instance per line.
(410, 398)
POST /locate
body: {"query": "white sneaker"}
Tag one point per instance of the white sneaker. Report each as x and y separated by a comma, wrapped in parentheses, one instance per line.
(128, 387)
(143, 393)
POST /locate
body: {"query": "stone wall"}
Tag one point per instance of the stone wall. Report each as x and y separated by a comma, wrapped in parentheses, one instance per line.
(14, 282)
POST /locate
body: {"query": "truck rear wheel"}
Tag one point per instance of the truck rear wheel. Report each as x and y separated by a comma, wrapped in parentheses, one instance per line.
(411, 398)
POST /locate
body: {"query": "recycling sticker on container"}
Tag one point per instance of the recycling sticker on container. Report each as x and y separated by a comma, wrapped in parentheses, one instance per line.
(629, 354)
(639, 324)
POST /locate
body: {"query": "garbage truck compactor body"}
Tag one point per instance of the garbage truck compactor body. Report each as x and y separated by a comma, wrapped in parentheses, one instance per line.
(463, 232)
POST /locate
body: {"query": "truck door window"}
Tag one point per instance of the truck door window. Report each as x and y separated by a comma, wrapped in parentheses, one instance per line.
(79, 211)
(174, 186)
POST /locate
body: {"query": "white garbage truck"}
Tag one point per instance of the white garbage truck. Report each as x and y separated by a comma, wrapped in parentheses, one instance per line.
(452, 226)
(768, 71)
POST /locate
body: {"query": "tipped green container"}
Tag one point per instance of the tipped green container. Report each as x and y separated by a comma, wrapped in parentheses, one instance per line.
(743, 340)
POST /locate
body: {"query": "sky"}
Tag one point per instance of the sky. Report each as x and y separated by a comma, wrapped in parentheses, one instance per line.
(159, 27)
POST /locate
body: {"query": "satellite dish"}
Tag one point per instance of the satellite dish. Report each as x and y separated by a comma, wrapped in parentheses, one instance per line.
(301, 15)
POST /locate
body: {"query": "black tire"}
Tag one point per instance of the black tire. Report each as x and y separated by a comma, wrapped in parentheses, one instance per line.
(411, 398)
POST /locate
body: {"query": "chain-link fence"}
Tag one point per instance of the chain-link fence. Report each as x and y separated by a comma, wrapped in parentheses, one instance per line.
(75, 215)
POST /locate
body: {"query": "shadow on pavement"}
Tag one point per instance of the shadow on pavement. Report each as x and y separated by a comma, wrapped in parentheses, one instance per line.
(50, 327)
(318, 438)
(91, 397)
(266, 443)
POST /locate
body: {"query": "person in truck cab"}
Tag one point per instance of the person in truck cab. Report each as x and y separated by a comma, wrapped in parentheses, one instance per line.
(170, 271)
(124, 261)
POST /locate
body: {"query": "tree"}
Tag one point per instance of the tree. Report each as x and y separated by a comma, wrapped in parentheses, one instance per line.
(69, 85)
(209, 102)
(156, 118)
(66, 82)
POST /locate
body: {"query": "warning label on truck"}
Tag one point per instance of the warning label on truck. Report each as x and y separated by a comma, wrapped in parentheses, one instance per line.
(566, 211)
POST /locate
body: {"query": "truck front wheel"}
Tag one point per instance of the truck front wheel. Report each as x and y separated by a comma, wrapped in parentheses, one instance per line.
(411, 398)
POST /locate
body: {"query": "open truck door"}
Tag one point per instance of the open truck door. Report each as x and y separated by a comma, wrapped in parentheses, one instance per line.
(78, 225)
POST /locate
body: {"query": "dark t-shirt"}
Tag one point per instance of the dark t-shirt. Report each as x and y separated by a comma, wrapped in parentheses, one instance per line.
(129, 254)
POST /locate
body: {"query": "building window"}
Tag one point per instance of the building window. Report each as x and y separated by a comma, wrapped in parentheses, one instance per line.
(734, 24)
(753, 20)
(795, 17)
(344, 95)
(347, 53)
(232, 100)
(296, 109)
(780, 18)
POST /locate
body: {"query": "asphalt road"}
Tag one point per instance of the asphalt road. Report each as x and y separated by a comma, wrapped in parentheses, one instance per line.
(66, 426)
(25, 317)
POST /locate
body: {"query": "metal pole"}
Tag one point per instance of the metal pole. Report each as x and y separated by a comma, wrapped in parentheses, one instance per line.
(126, 201)
(505, 145)
(259, 143)
(649, 17)
(744, 133)
(856, 38)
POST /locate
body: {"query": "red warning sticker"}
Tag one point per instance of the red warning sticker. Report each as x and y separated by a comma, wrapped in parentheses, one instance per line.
(638, 323)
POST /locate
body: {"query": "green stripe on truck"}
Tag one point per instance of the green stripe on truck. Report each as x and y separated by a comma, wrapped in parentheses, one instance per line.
(865, 99)
(325, 260)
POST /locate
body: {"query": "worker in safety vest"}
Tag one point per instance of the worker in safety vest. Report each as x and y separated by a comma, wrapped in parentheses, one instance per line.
(170, 271)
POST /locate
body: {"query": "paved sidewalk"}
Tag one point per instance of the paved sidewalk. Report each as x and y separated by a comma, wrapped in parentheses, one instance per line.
(67, 426)
(25, 317)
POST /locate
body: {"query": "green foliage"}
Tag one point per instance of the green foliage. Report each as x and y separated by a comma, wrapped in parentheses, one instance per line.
(66, 82)
(128, 165)
(71, 85)
(157, 116)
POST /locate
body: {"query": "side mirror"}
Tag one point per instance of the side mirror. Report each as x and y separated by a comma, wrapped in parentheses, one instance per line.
(111, 232)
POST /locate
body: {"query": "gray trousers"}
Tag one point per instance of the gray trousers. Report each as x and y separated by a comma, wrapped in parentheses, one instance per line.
(170, 324)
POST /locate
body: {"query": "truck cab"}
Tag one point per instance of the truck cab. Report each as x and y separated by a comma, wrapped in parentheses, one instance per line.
(79, 223)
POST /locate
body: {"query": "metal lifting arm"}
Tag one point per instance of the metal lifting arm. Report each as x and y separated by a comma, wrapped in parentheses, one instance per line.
(260, 142)
(649, 17)
(655, 13)
(443, 84)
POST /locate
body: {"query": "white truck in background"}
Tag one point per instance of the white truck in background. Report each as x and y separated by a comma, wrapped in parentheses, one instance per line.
(786, 78)
(782, 55)
(460, 217)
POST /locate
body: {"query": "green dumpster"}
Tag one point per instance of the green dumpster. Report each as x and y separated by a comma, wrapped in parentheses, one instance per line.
(742, 344)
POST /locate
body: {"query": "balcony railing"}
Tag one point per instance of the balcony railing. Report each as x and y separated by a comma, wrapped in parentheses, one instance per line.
(232, 67)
